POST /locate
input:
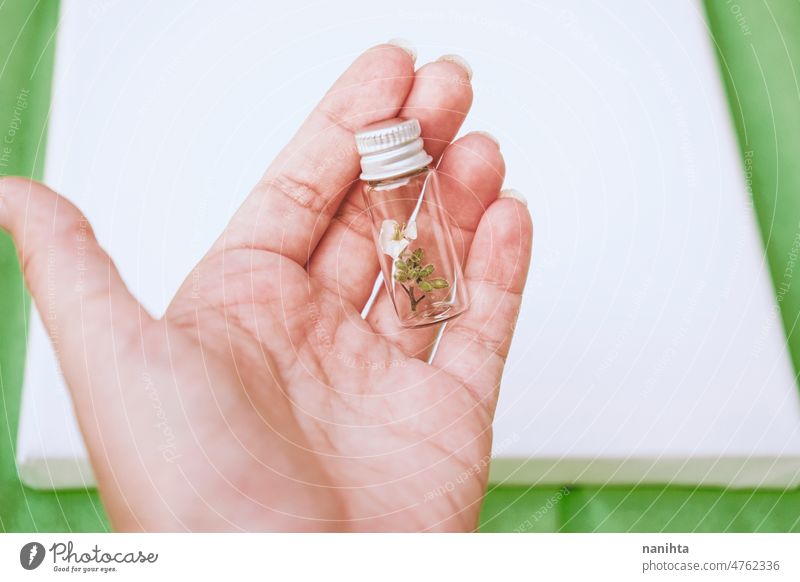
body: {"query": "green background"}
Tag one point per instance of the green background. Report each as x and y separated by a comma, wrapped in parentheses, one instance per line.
(758, 46)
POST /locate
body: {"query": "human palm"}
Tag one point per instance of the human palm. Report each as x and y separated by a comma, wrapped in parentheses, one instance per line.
(262, 400)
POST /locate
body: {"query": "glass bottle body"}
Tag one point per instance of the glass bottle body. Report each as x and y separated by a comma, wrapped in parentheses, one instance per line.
(421, 268)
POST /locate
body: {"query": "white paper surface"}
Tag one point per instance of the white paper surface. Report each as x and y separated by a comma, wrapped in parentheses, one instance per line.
(649, 347)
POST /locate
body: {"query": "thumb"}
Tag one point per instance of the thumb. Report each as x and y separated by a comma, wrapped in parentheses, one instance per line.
(89, 313)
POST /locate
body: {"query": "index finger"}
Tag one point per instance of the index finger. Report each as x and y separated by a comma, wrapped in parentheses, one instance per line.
(291, 206)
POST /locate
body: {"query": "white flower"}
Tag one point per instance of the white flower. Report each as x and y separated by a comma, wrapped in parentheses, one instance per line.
(393, 239)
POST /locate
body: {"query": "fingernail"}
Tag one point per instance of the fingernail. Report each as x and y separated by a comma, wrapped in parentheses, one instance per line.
(515, 194)
(488, 136)
(406, 45)
(460, 61)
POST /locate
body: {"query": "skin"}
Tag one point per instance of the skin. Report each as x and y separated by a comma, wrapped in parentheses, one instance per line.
(261, 400)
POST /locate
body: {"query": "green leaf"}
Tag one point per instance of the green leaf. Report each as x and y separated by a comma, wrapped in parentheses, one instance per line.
(401, 270)
(426, 272)
(425, 286)
(440, 284)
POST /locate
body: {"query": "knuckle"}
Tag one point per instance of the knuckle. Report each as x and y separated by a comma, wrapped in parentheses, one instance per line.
(299, 192)
(356, 220)
(489, 342)
(335, 119)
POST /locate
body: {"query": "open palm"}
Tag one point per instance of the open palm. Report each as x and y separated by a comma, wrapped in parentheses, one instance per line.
(262, 400)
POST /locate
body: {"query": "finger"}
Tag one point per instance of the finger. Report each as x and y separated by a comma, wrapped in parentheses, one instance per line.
(474, 346)
(291, 206)
(345, 260)
(74, 283)
(471, 175)
(440, 100)
(89, 313)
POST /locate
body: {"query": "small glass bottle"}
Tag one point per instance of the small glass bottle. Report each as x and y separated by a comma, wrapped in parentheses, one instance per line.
(411, 227)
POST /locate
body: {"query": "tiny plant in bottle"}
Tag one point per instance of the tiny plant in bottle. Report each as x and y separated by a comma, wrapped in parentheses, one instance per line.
(409, 268)
(421, 269)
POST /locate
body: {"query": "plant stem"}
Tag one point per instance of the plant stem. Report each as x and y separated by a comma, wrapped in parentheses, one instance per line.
(412, 298)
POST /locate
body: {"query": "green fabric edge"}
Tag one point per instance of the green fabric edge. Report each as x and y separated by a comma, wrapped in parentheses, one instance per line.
(758, 48)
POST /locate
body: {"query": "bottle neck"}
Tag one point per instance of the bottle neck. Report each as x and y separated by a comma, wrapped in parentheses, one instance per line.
(401, 160)
(394, 181)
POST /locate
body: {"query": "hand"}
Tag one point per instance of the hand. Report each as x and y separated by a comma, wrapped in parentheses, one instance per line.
(262, 400)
